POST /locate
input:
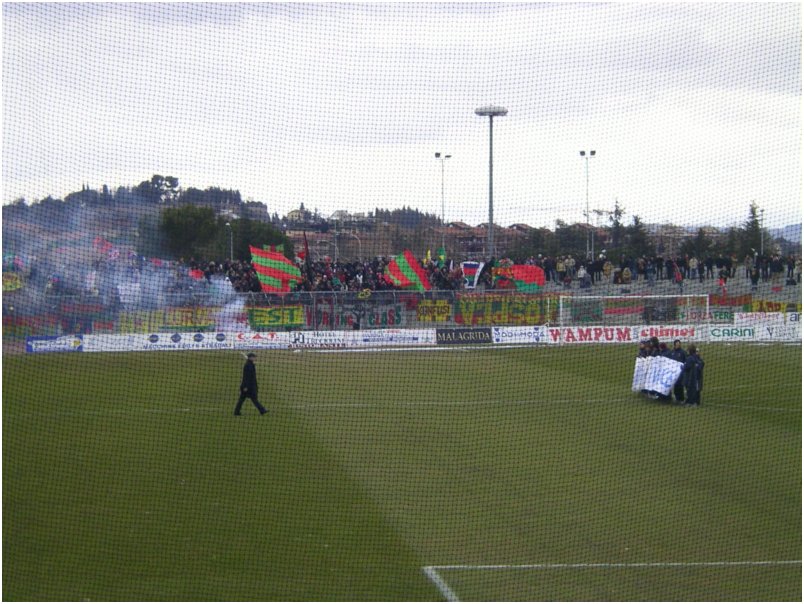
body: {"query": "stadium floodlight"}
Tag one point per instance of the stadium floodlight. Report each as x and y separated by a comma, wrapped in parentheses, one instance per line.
(586, 157)
(442, 159)
(491, 111)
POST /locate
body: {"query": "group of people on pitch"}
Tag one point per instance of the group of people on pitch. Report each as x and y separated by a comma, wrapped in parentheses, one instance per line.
(688, 386)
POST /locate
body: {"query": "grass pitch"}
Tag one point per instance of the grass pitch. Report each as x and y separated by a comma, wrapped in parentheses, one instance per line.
(520, 474)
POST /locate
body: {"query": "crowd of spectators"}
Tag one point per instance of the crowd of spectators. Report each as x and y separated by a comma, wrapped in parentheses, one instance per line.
(563, 271)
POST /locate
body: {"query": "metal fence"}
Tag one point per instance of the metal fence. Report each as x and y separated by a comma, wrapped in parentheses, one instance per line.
(201, 311)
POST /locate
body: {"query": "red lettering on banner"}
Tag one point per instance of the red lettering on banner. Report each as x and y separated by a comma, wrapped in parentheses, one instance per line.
(590, 334)
(667, 332)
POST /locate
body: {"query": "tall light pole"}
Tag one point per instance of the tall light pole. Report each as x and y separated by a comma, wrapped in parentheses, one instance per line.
(231, 243)
(491, 111)
(442, 159)
(586, 157)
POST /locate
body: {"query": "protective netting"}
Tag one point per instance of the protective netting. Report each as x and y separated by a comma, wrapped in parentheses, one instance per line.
(597, 398)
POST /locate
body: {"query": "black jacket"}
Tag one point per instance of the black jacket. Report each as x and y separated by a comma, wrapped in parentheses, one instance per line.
(693, 372)
(249, 382)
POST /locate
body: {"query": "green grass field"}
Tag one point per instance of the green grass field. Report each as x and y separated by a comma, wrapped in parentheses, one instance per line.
(507, 474)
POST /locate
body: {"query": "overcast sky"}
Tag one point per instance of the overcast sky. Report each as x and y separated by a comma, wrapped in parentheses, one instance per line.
(694, 110)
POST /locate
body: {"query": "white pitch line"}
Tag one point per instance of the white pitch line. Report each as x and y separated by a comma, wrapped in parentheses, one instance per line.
(450, 596)
(782, 409)
(582, 565)
(432, 574)
(435, 404)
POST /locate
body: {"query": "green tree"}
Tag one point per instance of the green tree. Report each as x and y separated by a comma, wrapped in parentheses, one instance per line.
(150, 240)
(570, 239)
(638, 241)
(617, 229)
(699, 246)
(750, 237)
(188, 230)
(247, 232)
(537, 241)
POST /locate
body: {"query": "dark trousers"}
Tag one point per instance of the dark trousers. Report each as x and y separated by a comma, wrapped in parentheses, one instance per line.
(253, 397)
(693, 396)
(678, 391)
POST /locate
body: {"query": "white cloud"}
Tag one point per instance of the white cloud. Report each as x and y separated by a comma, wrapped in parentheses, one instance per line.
(694, 109)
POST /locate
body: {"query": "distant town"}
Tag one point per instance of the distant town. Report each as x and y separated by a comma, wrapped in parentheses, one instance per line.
(131, 216)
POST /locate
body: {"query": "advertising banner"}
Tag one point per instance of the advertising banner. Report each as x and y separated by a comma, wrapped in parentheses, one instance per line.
(669, 333)
(433, 310)
(168, 341)
(586, 335)
(758, 319)
(391, 337)
(318, 339)
(535, 334)
(260, 339)
(156, 341)
(767, 306)
(504, 309)
(731, 333)
(452, 337)
(167, 320)
(39, 344)
(267, 318)
(789, 332)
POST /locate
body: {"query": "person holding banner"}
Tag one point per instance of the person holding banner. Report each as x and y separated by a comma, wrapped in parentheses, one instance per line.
(678, 354)
(693, 376)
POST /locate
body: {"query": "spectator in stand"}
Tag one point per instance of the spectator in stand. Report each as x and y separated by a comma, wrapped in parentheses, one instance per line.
(570, 264)
(776, 268)
(650, 272)
(754, 277)
(584, 279)
(678, 277)
(692, 263)
(710, 267)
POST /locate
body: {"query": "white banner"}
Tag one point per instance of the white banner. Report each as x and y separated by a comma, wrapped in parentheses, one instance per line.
(758, 319)
(657, 374)
(590, 335)
(640, 371)
(156, 341)
(532, 334)
(391, 337)
(260, 339)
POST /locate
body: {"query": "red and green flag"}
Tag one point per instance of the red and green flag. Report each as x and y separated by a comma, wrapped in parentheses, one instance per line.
(274, 271)
(527, 278)
(405, 271)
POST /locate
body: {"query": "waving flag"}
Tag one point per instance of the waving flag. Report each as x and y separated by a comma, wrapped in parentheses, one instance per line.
(471, 273)
(405, 271)
(274, 271)
(527, 278)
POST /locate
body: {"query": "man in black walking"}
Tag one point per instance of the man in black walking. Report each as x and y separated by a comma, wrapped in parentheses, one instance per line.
(248, 386)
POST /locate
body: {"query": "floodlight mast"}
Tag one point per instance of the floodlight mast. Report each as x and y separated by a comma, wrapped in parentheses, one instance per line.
(491, 111)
